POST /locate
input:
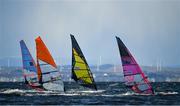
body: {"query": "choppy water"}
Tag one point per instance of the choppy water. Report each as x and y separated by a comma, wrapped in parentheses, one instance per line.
(111, 93)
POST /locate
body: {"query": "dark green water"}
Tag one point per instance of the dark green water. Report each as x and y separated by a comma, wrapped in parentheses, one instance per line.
(109, 93)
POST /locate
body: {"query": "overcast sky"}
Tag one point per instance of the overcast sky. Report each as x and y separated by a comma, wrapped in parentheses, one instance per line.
(149, 28)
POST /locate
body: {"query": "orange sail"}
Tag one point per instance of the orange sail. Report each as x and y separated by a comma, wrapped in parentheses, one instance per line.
(48, 73)
(43, 53)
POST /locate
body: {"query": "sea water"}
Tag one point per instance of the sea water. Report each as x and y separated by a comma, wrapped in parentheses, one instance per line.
(108, 93)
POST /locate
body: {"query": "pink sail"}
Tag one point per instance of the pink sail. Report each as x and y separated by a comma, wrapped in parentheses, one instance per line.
(133, 75)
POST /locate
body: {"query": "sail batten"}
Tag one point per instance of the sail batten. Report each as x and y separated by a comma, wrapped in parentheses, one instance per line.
(81, 72)
(133, 75)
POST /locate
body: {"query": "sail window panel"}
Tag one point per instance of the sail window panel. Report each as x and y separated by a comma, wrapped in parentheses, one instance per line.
(129, 79)
(45, 67)
(78, 59)
(50, 77)
(80, 66)
(84, 75)
(26, 72)
(31, 68)
(46, 77)
(49, 71)
(129, 83)
(30, 76)
(138, 78)
(143, 87)
(128, 72)
(131, 70)
(55, 75)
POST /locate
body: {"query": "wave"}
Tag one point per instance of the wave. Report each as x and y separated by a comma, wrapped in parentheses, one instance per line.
(136, 94)
(166, 93)
(89, 91)
(156, 93)
(115, 84)
(76, 93)
(45, 93)
(11, 91)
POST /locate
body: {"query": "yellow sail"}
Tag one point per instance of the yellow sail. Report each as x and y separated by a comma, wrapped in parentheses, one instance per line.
(81, 72)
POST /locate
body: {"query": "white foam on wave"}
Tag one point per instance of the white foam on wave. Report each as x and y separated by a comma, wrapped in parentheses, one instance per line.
(128, 93)
(39, 93)
(67, 93)
(36, 93)
(84, 92)
(156, 93)
(75, 93)
(88, 91)
(55, 94)
(115, 84)
(11, 91)
(131, 94)
(119, 95)
(22, 91)
(166, 93)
